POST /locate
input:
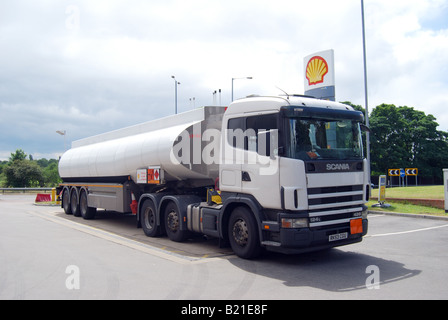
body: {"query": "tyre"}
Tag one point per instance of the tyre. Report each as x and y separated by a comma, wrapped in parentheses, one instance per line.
(243, 234)
(74, 203)
(148, 219)
(86, 212)
(66, 201)
(173, 222)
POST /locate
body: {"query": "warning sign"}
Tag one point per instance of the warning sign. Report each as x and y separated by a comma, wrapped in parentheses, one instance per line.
(411, 171)
(394, 172)
(154, 175)
(142, 176)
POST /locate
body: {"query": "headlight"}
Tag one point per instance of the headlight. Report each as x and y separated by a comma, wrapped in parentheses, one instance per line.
(294, 223)
(365, 212)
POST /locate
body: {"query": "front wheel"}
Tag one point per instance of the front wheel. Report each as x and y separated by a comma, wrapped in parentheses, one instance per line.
(243, 234)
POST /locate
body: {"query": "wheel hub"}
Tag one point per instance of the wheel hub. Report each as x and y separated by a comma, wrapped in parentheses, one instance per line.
(241, 232)
(173, 221)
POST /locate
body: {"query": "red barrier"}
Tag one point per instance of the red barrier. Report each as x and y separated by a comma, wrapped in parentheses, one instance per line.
(43, 198)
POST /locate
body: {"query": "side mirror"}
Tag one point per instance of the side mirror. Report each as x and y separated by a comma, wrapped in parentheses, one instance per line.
(365, 128)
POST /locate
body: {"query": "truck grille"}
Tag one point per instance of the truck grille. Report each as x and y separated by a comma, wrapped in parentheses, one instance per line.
(331, 206)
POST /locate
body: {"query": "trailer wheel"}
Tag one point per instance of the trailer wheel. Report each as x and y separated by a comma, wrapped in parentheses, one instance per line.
(74, 203)
(243, 234)
(173, 222)
(66, 201)
(148, 219)
(87, 212)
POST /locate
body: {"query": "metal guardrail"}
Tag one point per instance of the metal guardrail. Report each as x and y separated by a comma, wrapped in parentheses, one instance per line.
(24, 190)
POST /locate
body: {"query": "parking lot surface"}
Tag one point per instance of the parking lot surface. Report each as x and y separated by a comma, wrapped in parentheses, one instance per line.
(45, 254)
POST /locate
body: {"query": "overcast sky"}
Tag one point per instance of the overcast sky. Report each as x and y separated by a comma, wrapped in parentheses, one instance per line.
(88, 67)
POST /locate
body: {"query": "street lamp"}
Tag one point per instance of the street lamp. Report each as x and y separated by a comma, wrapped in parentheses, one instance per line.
(249, 78)
(63, 133)
(175, 91)
(365, 85)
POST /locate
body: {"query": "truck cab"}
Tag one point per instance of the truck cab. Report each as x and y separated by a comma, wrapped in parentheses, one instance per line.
(298, 162)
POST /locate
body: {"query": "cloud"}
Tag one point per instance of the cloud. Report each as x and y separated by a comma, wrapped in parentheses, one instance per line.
(89, 67)
(407, 59)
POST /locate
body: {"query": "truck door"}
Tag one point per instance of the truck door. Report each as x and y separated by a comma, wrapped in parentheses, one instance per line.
(232, 153)
(260, 170)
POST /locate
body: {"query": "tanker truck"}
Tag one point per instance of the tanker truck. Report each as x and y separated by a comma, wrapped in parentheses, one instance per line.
(284, 173)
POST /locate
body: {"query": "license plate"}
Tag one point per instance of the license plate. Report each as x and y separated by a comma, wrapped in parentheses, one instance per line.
(337, 237)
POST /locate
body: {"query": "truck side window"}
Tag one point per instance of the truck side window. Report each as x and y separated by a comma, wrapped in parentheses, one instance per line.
(259, 132)
(235, 133)
(246, 132)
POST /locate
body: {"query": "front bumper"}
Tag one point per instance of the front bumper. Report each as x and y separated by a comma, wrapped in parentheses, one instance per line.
(293, 241)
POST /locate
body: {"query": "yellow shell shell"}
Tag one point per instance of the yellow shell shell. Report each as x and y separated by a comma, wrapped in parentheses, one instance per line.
(316, 70)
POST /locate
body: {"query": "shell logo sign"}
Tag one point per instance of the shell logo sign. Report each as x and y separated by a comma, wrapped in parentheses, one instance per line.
(319, 75)
(316, 70)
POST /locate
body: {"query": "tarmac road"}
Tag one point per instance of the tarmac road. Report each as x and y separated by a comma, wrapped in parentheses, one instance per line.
(45, 254)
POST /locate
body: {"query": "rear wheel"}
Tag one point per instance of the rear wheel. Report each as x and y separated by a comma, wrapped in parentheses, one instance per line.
(87, 212)
(148, 219)
(74, 203)
(66, 201)
(243, 234)
(173, 223)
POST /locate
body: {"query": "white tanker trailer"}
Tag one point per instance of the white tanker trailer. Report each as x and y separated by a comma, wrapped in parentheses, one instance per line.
(282, 173)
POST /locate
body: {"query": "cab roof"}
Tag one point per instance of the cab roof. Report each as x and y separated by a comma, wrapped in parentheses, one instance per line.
(266, 103)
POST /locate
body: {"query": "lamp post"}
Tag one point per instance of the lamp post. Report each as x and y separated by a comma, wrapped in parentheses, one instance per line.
(365, 85)
(175, 93)
(63, 133)
(249, 78)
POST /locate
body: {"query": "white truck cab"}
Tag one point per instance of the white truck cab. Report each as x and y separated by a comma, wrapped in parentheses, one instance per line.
(310, 179)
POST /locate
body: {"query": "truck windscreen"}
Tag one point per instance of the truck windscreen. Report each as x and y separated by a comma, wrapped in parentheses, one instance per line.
(315, 138)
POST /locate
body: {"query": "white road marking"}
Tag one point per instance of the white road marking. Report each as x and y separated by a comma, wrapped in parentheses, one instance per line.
(164, 254)
(405, 232)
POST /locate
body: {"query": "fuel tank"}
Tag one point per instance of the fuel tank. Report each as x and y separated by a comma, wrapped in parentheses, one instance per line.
(171, 143)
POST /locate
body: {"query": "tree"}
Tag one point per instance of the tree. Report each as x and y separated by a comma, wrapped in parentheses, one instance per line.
(2, 175)
(51, 174)
(2, 165)
(386, 140)
(403, 137)
(18, 155)
(21, 172)
(361, 109)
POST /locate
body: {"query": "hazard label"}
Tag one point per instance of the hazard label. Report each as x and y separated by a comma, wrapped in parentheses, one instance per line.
(142, 176)
(154, 175)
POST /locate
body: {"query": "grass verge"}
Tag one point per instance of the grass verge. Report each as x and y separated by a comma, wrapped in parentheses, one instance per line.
(426, 192)
(407, 208)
